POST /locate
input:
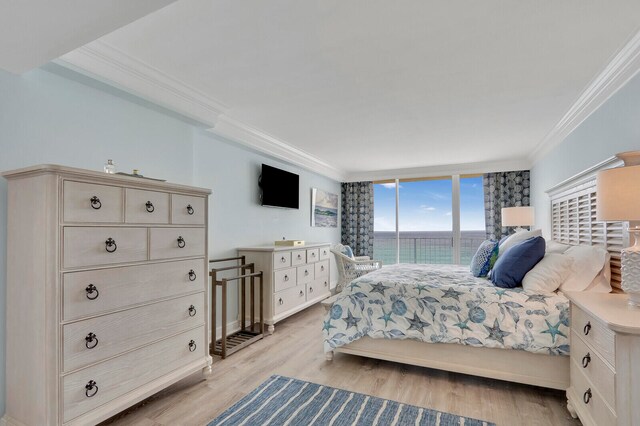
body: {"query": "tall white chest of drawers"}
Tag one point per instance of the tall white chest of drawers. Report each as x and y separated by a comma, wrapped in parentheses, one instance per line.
(295, 277)
(106, 292)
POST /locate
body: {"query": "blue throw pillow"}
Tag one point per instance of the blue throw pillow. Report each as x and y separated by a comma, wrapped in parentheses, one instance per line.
(484, 258)
(514, 263)
(346, 250)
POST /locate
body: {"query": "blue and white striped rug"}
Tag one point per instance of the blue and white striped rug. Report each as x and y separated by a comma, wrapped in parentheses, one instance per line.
(285, 401)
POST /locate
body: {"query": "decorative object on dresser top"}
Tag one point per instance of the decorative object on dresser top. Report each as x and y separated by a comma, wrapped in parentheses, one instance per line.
(294, 278)
(518, 217)
(619, 200)
(297, 402)
(351, 267)
(233, 342)
(106, 292)
(605, 354)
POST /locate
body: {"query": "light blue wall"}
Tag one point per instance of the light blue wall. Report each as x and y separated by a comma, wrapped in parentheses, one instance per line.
(49, 118)
(613, 128)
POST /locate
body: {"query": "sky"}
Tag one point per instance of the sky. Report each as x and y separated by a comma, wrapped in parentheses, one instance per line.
(426, 205)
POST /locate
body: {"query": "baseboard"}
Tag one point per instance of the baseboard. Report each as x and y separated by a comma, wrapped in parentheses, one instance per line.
(232, 327)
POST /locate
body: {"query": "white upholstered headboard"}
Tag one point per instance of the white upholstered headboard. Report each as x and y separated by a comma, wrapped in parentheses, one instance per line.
(573, 216)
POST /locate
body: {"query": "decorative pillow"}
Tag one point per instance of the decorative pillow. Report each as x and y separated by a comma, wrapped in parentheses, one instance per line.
(602, 282)
(516, 261)
(346, 250)
(549, 274)
(588, 261)
(518, 237)
(556, 247)
(484, 258)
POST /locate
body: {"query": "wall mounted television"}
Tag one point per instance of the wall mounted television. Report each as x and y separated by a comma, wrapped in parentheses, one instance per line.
(279, 188)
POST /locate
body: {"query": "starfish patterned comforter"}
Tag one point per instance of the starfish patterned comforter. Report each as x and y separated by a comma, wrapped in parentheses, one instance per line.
(446, 304)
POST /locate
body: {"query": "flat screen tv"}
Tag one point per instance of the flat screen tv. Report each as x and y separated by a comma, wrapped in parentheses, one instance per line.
(279, 188)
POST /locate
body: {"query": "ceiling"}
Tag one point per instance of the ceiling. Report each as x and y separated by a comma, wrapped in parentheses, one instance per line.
(373, 85)
(34, 32)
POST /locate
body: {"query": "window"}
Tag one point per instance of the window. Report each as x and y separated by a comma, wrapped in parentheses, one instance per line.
(434, 220)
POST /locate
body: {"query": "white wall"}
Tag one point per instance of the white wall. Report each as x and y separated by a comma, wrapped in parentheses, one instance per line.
(49, 118)
(613, 128)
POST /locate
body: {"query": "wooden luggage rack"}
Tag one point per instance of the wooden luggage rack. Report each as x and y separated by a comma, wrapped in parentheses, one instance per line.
(247, 335)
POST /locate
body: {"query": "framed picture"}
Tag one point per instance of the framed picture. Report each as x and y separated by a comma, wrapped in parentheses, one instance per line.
(324, 209)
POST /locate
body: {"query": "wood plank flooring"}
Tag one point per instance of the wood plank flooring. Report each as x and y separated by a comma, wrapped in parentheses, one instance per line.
(295, 350)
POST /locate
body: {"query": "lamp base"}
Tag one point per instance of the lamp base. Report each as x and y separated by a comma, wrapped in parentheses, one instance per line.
(630, 259)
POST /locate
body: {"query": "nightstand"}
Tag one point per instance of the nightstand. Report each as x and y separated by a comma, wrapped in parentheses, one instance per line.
(605, 360)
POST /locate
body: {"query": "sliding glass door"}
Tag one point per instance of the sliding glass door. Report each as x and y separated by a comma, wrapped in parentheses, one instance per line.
(385, 245)
(472, 227)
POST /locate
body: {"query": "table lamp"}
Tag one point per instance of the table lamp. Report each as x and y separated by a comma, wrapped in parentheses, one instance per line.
(517, 216)
(618, 199)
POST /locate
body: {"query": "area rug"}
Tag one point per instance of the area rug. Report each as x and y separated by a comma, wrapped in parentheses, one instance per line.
(286, 401)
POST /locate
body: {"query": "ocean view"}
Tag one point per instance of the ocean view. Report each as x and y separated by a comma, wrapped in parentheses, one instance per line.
(426, 246)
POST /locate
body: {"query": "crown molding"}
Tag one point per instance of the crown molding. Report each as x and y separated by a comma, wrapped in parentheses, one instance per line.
(110, 65)
(245, 134)
(624, 66)
(444, 170)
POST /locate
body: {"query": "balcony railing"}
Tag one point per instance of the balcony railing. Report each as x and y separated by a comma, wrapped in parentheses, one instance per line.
(437, 250)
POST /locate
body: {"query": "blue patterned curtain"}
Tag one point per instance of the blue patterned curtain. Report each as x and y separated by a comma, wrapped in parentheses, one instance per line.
(357, 217)
(503, 189)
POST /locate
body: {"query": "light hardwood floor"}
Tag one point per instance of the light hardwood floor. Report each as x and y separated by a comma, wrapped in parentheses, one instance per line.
(295, 350)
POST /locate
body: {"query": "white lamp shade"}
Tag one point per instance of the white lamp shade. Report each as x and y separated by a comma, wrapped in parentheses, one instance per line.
(618, 192)
(518, 216)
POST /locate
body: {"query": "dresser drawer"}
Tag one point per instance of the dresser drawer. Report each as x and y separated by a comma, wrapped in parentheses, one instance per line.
(284, 279)
(187, 210)
(313, 255)
(322, 269)
(305, 274)
(298, 257)
(169, 243)
(127, 372)
(321, 285)
(92, 246)
(89, 341)
(596, 334)
(324, 253)
(281, 259)
(88, 202)
(117, 288)
(289, 299)
(596, 370)
(146, 206)
(316, 289)
(596, 408)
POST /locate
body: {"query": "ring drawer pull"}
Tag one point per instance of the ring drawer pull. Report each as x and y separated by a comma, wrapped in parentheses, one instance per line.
(149, 206)
(313, 254)
(310, 290)
(280, 301)
(91, 389)
(587, 396)
(586, 360)
(192, 275)
(181, 242)
(286, 278)
(283, 260)
(192, 311)
(322, 267)
(306, 272)
(301, 293)
(110, 245)
(299, 257)
(192, 346)
(95, 203)
(587, 328)
(91, 289)
(325, 283)
(89, 341)
(190, 209)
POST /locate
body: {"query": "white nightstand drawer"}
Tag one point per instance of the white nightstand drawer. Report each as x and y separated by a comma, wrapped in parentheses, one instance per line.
(284, 279)
(281, 259)
(313, 255)
(89, 202)
(594, 367)
(146, 206)
(589, 400)
(595, 333)
(305, 274)
(298, 257)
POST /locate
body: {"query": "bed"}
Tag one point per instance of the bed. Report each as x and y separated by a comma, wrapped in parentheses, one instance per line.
(439, 316)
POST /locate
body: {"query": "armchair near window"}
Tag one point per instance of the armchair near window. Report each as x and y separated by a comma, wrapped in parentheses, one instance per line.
(350, 268)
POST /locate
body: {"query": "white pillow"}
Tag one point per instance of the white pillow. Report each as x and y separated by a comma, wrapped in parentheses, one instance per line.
(548, 274)
(588, 261)
(556, 247)
(517, 238)
(602, 282)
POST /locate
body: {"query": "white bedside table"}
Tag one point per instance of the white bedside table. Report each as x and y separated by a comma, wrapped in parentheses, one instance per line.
(605, 360)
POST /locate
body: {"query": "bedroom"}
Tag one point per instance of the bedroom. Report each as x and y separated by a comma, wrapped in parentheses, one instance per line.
(202, 93)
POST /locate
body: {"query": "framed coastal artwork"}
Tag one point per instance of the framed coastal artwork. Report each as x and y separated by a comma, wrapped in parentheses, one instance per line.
(324, 208)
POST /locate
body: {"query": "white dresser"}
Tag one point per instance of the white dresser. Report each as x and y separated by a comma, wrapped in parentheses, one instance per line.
(106, 292)
(605, 360)
(294, 277)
